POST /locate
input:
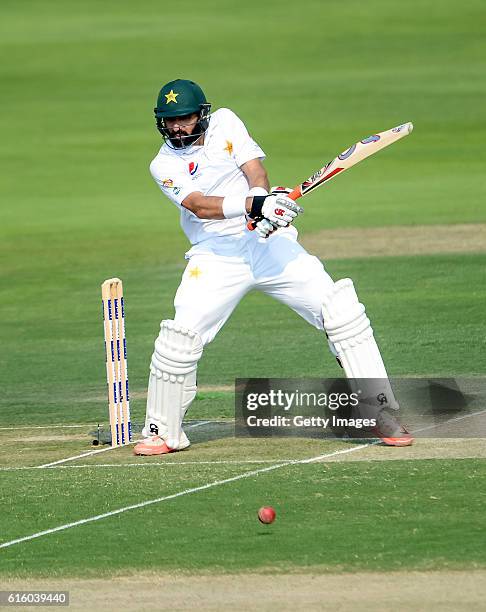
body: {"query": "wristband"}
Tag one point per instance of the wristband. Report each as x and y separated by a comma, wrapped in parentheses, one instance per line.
(234, 206)
(257, 191)
(256, 207)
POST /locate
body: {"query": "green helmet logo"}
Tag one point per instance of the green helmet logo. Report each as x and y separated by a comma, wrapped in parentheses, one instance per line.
(177, 99)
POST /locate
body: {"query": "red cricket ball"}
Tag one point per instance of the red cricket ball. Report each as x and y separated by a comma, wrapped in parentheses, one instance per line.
(266, 515)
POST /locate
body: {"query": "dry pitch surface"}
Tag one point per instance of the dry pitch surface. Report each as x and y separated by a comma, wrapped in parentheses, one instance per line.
(368, 592)
(396, 240)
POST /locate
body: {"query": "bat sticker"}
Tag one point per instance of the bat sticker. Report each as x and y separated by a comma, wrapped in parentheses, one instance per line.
(373, 138)
(347, 153)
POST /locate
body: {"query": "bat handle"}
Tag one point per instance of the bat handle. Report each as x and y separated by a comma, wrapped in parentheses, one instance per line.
(295, 194)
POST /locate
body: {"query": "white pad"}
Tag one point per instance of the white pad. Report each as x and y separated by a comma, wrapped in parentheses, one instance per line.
(172, 382)
(349, 332)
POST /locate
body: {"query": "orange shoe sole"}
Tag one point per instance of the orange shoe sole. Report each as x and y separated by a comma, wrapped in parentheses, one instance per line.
(142, 449)
(403, 441)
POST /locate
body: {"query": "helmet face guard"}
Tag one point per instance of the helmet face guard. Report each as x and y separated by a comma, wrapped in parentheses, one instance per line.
(181, 98)
(181, 140)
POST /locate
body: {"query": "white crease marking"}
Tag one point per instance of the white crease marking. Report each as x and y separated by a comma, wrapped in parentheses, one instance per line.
(29, 427)
(109, 448)
(159, 464)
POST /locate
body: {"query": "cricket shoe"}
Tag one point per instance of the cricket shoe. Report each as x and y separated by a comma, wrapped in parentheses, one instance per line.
(390, 431)
(155, 445)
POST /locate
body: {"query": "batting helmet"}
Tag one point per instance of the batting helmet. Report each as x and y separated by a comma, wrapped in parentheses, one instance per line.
(179, 98)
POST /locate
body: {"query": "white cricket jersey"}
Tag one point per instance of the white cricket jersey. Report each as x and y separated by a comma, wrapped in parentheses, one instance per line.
(214, 170)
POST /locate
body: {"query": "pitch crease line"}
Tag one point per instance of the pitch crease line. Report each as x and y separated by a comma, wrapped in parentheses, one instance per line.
(29, 427)
(104, 450)
(159, 464)
(86, 425)
(449, 421)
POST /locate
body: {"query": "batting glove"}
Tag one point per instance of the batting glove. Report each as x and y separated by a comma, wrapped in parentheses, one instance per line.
(264, 228)
(277, 208)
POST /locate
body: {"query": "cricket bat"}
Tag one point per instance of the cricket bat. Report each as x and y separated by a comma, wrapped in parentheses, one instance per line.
(348, 158)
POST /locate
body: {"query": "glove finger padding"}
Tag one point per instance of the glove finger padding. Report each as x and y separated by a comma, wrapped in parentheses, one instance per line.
(265, 228)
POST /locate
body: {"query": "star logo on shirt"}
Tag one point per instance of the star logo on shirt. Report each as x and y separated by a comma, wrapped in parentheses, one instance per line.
(171, 97)
(229, 147)
(195, 273)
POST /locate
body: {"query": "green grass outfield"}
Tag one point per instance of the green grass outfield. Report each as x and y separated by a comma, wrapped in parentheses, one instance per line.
(78, 84)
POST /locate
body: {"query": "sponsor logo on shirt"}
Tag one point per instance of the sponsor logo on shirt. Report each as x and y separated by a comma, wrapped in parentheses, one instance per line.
(193, 168)
(169, 184)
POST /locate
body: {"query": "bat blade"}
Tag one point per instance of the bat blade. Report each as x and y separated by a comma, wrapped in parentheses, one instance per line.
(350, 157)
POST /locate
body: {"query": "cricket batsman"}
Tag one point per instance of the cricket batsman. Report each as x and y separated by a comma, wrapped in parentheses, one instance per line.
(212, 170)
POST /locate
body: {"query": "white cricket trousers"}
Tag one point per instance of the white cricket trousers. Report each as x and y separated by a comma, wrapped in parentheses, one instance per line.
(213, 284)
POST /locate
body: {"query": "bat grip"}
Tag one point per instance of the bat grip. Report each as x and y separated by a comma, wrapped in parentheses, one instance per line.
(295, 194)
